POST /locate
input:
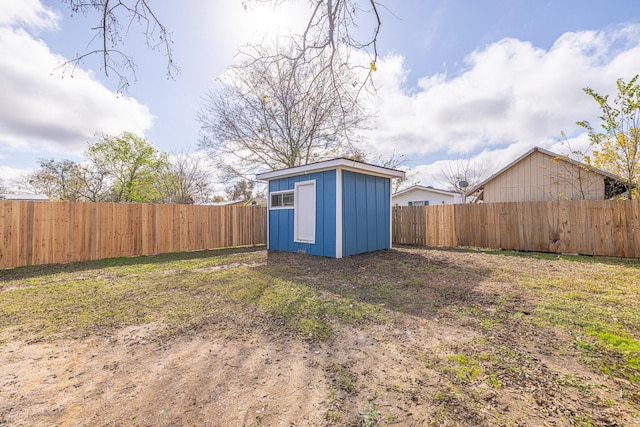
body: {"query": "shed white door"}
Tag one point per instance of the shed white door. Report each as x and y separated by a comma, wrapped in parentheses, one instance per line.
(304, 223)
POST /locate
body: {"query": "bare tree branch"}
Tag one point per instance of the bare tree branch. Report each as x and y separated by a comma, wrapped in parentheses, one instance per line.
(116, 16)
(331, 31)
(187, 180)
(332, 27)
(463, 174)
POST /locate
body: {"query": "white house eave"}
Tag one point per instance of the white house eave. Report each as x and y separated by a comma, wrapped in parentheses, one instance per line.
(423, 188)
(344, 164)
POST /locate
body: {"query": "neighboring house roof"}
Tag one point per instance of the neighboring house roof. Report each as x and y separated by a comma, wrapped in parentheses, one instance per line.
(478, 188)
(35, 197)
(341, 163)
(229, 203)
(423, 188)
(258, 201)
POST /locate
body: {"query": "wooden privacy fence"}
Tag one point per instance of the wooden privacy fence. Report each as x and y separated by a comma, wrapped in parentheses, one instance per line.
(34, 233)
(588, 227)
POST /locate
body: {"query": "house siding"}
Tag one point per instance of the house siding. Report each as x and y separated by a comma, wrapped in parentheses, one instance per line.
(540, 177)
(423, 195)
(365, 213)
(281, 221)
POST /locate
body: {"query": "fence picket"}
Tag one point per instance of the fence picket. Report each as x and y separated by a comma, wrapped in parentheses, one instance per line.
(588, 227)
(34, 233)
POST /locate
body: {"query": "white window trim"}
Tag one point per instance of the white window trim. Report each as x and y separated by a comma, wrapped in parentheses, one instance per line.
(275, 208)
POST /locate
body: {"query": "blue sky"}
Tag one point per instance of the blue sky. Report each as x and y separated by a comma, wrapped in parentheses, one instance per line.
(487, 79)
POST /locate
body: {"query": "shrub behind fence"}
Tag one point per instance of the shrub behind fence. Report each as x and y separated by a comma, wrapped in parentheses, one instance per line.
(588, 227)
(34, 233)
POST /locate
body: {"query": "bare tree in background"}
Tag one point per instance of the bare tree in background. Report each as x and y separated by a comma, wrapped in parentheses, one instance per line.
(576, 179)
(58, 179)
(332, 26)
(570, 171)
(278, 113)
(463, 174)
(186, 181)
(121, 169)
(24, 184)
(241, 190)
(94, 182)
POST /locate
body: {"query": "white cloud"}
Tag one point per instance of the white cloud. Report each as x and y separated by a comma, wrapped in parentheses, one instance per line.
(29, 13)
(9, 174)
(509, 97)
(509, 92)
(43, 110)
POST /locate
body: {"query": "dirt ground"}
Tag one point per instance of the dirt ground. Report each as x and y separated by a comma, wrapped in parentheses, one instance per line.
(406, 372)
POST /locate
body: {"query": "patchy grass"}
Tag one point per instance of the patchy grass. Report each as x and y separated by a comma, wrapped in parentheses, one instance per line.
(602, 310)
(503, 323)
(596, 303)
(596, 300)
(178, 291)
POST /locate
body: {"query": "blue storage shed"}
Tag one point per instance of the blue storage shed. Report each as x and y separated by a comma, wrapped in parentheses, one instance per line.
(334, 208)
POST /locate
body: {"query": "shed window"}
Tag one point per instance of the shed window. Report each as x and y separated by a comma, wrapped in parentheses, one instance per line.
(282, 200)
(419, 203)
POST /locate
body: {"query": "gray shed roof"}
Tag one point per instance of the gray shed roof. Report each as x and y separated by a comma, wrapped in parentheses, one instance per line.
(341, 163)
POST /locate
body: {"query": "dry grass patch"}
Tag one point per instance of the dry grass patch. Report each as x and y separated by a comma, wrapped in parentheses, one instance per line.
(410, 336)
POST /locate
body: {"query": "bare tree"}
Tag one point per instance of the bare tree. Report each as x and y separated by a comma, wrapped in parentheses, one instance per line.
(65, 180)
(121, 169)
(241, 190)
(24, 184)
(463, 174)
(270, 114)
(95, 184)
(567, 170)
(186, 181)
(58, 179)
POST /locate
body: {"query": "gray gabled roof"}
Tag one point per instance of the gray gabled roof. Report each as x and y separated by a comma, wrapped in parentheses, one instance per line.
(341, 163)
(25, 197)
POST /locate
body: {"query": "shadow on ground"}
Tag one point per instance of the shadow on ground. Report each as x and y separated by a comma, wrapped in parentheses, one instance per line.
(407, 281)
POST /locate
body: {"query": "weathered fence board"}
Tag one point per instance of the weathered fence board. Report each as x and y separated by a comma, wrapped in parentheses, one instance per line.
(588, 227)
(33, 233)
